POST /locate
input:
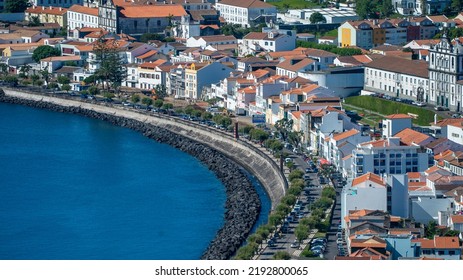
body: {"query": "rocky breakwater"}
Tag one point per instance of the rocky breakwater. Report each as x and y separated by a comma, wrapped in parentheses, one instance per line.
(242, 203)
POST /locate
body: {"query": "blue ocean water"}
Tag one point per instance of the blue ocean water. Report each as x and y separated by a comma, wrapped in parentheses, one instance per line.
(77, 188)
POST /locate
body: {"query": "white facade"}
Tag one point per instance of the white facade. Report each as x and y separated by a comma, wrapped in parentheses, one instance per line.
(455, 133)
(389, 156)
(445, 69)
(395, 123)
(274, 41)
(79, 19)
(367, 194)
(204, 41)
(245, 14)
(411, 82)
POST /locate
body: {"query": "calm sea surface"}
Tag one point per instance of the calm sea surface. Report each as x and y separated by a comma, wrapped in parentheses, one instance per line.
(77, 188)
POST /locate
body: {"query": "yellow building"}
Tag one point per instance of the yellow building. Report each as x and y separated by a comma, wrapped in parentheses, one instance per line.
(47, 14)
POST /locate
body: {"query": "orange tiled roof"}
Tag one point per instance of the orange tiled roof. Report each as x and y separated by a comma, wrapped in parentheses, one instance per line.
(153, 11)
(439, 242)
(84, 10)
(457, 219)
(46, 10)
(297, 114)
(152, 65)
(61, 58)
(368, 177)
(409, 137)
(147, 54)
(345, 134)
(374, 242)
(398, 116)
(414, 175)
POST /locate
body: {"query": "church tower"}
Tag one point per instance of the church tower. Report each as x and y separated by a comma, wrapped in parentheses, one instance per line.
(445, 70)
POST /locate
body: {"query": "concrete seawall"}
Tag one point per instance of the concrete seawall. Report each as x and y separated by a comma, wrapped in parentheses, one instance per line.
(244, 154)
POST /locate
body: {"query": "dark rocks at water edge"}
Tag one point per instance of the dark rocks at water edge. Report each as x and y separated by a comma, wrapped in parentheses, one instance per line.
(242, 204)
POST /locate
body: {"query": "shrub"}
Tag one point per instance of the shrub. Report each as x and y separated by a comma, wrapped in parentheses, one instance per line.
(296, 174)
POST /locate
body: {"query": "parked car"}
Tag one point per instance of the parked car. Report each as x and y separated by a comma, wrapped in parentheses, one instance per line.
(295, 245)
(440, 108)
(288, 160)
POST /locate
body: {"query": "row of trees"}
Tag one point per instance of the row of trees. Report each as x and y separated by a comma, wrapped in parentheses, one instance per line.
(374, 8)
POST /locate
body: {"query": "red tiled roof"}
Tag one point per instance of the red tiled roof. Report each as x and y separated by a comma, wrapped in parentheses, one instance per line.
(368, 177)
(409, 137)
(46, 10)
(400, 65)
(345, 134)
(439, 242)
(457, 219)
(398, 116)
(84, 10)
(153, 11)
(147, 54)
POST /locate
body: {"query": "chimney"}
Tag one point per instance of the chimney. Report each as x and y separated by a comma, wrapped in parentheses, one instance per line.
(60, 8)
(51, 8)
(43, 7)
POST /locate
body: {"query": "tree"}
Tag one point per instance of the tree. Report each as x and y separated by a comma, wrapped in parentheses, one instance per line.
(90, 79)
(296, 174)
(206, 116)
(16, 6)
(317, 17)
(160, 91)
(284, 126)
(158, 103)
(64, 80)
(301, 232)
(147, 101)
(365, 9)
(12, 80)
(167, 106)
(45, 75)
(281, 255)
(66, 87)
(3, 69)
(34, 21)
(24, 70)
(111, 71)
(34, 79)
(258, 134)
(387, 8)
(135, 98)
(93, 90)
(45, 51)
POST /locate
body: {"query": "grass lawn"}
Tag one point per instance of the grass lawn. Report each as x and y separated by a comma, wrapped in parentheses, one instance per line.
(293, 4)
(387, 107)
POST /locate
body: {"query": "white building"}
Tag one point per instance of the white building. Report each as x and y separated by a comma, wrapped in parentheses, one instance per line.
(445, 71)
(368, 191)
(214, 40)
(267, 41)
(246, 12)
(395, 123)
(389, 156)
(81, 16)
(398, 77)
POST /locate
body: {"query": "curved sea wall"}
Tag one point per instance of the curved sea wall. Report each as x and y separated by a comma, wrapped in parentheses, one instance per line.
(212, 148)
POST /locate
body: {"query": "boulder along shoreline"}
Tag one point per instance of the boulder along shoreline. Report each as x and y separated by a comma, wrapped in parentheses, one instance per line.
(242, 205)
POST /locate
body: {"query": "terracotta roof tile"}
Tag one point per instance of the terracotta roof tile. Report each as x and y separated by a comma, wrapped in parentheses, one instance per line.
(46, 10)
(345, 134)
(368, 177)
(153, 11)
(400, 65)
(84, 10)
(398, 116)
(409, 137)
(439, 242)
(147, 54)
